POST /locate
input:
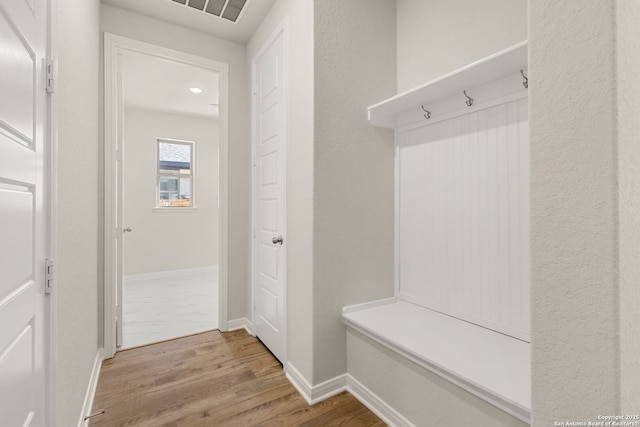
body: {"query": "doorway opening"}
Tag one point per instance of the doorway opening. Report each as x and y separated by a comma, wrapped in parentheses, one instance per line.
(170, 200)
(165, 194)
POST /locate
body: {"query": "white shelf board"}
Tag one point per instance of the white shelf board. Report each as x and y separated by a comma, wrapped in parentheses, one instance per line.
(490, 365)
(486, 70)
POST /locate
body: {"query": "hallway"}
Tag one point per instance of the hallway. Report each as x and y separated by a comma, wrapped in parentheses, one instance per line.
(171, 384)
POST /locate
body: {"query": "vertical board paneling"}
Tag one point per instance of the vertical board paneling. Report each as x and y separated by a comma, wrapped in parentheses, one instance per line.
(464, 217)
(525, 259)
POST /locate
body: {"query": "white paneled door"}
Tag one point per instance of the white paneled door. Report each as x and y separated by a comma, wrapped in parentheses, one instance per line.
(23, 303)
(269, 242)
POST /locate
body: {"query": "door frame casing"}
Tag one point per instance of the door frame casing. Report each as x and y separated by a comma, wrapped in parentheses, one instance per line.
(114, 45)
(281, 29)
(50, 206)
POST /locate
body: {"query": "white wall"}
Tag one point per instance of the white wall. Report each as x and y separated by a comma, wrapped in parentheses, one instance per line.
(164, 241)
(438, 36)
(355, 58)
(139, 27)
(77, 205)
(585, 231)
(299, 14)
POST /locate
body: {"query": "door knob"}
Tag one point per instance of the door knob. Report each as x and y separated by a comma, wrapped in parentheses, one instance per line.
(277, 240)
(127, 230)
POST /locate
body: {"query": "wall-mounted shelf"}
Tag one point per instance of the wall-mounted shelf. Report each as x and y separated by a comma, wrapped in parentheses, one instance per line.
(489, 69)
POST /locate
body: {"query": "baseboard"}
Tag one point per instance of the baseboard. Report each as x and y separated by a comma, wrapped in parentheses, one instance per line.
(376, 404)
(169, 273)
(242, 323)
(87, 405)
(317, 393)
(329, 388)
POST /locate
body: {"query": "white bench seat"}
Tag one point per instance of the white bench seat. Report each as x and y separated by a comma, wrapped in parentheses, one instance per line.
(492, 366)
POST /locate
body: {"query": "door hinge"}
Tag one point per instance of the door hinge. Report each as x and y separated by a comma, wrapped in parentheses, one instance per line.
(49, 271)
(254, 232)
(50, 76)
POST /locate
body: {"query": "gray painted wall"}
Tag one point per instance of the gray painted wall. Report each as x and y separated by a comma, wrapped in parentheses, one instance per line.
(584, 168)
(355, 66)
(164, 241)
(628, 79)
(77, 212)
(439, 36)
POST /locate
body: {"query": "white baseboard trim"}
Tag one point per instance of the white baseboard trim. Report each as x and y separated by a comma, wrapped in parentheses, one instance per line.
(169, 273)
(376, 404)
(329, 388)
(87, 405)
(317, 393)
(242, 323)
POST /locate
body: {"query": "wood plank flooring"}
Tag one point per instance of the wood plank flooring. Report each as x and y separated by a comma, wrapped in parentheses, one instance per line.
(211, 379)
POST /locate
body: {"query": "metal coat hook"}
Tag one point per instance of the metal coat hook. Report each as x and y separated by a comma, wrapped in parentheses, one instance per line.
(427, 113)
(469, 100)
(525, 83)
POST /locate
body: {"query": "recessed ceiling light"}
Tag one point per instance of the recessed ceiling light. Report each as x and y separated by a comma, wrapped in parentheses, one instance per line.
(195, 89)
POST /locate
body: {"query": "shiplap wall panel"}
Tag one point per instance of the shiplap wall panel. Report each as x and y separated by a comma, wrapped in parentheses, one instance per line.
(464, 217)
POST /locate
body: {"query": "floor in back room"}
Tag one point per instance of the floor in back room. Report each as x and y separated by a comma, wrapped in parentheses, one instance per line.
(158, 309)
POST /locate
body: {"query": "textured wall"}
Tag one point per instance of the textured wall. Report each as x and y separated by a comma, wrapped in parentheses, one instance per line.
(438, 36)
(163, 241)
(355, 58)
(138, 27)
(419, 395)
(628, 64)
(77, 205)
(299, 15)
(574, 236)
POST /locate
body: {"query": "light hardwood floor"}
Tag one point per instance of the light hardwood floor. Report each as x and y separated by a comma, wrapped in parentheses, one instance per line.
(211, 379)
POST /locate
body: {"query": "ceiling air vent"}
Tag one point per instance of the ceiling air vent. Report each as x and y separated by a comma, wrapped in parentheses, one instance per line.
(227, 9)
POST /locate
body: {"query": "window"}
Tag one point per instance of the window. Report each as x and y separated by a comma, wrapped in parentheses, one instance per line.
(175, 174)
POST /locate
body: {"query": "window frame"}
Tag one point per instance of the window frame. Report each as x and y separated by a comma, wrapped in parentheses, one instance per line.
(178, 175)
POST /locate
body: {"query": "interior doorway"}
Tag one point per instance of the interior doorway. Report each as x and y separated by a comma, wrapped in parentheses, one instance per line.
(170, 200)
(165, 194)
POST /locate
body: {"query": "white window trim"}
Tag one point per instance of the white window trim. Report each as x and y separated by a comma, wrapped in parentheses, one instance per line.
(169, 209)
(193, 207)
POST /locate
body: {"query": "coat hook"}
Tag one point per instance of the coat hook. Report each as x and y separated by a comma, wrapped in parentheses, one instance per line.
(525, 83)
(427, 113)
(469, 100)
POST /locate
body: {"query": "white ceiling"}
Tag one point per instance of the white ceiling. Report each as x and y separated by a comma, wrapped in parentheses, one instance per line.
(158, 84)
(175, 13)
